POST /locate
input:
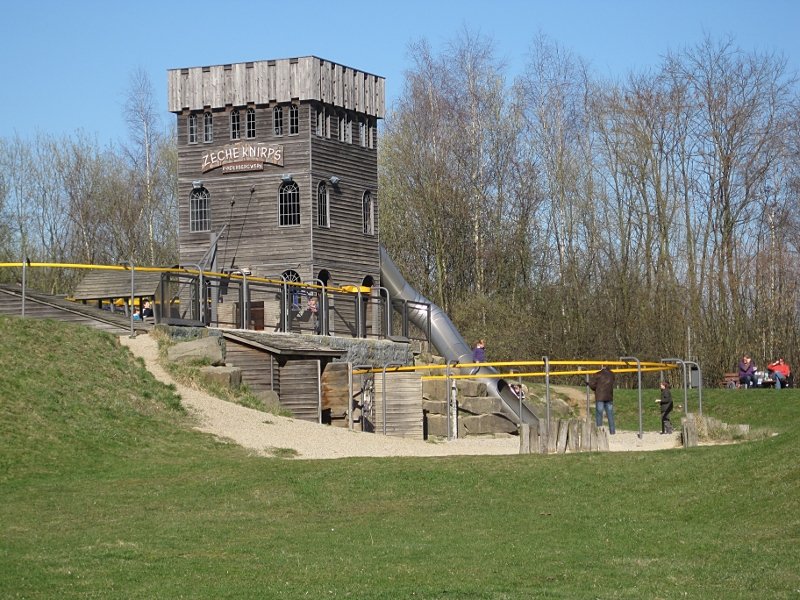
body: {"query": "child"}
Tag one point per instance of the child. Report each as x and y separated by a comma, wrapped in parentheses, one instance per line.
(666, 408)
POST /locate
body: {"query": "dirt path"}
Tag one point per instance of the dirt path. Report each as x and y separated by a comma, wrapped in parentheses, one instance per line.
(270, 435)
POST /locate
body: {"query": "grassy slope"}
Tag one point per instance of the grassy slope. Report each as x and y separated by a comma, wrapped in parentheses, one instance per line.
(106, 493)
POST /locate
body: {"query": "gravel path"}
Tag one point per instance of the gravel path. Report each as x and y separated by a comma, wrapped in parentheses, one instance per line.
(268, 434)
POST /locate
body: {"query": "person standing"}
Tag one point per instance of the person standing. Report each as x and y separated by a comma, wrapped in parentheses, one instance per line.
(479, 354)
(666, 408)
(747, 372)
(780, 372)
(602, 383)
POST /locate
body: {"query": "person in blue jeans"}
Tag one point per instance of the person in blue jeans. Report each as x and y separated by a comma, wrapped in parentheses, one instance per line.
(602, 383)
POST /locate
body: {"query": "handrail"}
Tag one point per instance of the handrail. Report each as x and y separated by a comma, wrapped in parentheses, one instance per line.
(448, 376)
(639, 369)
(700, 384)
(685, 389)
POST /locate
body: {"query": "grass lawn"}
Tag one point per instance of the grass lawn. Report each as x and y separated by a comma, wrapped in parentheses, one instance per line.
(106, 492)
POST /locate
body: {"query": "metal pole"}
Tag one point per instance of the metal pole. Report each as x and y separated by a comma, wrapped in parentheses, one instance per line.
(350, 403)
(588, 405)
(245, 302)
(685, 390)
(546, 391)
(358, 313)
(699, 386)
(202, 292)
(639, 369)
(133, 269)
(322, 310)
(388, 311)
(449, 396)
(25, 261)
(384, 391)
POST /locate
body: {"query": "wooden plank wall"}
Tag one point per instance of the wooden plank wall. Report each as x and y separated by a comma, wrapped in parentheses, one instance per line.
(403, 405)
(336, 390)
(262, 82)
(257, 366)
(300, 386)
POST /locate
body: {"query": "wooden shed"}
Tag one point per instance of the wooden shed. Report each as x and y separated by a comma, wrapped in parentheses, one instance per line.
(300, 371)
(104, 284)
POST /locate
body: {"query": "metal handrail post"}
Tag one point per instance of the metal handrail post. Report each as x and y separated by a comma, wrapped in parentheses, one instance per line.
(245, 299)
(350, 403)
(133, 269)
(25, 261)
(388, 311)
(685, 389)
(383, 385)
(322, 309)
(699, 386)
(358, 314)
(449, 395)
(519, 393)
(588, 400)
(546, 391)
(639, 373)
(202, 291)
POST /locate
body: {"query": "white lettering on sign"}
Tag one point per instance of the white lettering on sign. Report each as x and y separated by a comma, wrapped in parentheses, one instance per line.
(245, 154)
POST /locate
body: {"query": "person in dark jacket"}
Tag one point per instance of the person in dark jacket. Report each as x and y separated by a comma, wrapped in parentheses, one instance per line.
(747, 372)
(602, 383)
(666, 408)
(478, 355)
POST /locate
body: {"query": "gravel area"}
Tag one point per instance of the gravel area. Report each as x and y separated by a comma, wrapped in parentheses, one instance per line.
(268, 434)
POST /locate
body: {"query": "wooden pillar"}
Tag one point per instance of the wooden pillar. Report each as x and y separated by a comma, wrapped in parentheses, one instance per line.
(524, 438)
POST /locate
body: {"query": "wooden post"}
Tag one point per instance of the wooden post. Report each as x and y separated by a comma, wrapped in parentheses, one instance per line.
(524, 438)
(541, 447)
(586, 436)
(689, 431)
(573, 441)
(602, 439)
(552, 435)
(563, 434)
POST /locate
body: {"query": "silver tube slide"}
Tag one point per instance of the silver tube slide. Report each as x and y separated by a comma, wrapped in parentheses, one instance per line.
(447, 340)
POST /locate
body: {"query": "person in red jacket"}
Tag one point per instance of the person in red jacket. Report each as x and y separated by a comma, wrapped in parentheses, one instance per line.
(780, 372)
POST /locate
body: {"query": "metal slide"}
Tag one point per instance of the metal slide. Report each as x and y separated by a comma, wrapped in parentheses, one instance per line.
(446, 339)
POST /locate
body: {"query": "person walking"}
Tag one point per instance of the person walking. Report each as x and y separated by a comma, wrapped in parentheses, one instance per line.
(602, 383)
(666, 408)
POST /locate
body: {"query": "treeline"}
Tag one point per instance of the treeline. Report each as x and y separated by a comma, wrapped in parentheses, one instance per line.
(67, 199)
(567, 215)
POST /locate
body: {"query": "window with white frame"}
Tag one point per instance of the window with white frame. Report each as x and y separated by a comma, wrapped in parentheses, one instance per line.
(192, 128)
(277, 120)
(362, 133)
(372, 132)
(369, 220)
(235, 125)
(341, 121)
(250, 123)
(323, 205)
(289, 204)
(348, 130)
(208, 128)
(294, 119)
(200, 210)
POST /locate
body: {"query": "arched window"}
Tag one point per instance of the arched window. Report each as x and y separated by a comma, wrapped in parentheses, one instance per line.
(277, 120)
(289, 204)
(200, 210)
(250, 117)
(323, 206)
(192, 129)
(235, 131)
(294, 119)
(208, 128)
(369, 221)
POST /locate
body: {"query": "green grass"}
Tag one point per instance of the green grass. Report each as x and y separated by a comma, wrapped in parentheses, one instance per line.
(106, 492)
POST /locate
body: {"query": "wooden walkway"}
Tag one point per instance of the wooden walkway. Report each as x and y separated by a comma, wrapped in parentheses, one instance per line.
(46, 306)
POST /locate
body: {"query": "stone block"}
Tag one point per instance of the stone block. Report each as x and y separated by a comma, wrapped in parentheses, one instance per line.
(269, 398)
(230, 377)
(481, 405)
(470, 388)
(483, 424)
(436, 407)
(436, 425)
(208, 348)
(559, 407)
(435, 388)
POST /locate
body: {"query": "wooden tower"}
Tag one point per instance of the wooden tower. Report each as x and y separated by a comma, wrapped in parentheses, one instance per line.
(280, 157)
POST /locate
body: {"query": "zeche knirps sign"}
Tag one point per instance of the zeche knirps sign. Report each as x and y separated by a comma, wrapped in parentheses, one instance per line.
(243, 157)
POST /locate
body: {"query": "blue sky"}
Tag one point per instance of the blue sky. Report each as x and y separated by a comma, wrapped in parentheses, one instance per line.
(66, 64)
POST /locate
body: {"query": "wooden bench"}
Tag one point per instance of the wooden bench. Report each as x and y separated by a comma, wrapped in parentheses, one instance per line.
(730, 381)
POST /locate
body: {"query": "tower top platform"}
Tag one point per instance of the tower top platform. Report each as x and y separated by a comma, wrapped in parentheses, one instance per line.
(267, 82)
